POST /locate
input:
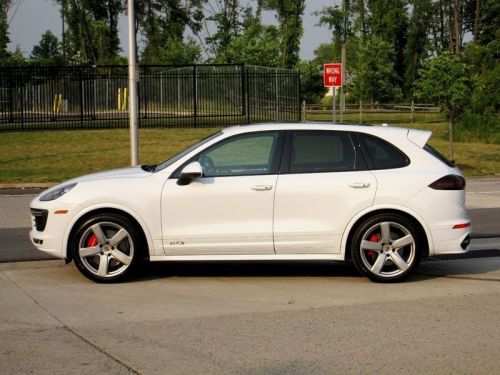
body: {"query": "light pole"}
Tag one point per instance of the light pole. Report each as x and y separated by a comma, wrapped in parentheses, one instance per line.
(133, 77)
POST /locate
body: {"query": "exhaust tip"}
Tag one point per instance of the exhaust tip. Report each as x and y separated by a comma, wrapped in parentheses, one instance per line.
(465, 243)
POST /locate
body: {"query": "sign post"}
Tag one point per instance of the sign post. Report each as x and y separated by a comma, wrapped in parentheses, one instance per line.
(332, 77)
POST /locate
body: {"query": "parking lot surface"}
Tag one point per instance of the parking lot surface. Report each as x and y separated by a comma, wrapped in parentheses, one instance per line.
(253, 318)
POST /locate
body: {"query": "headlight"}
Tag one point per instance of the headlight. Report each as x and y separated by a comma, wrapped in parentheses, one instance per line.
(58, 192)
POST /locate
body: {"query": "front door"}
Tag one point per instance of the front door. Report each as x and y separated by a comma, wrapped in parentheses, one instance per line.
(230, 209)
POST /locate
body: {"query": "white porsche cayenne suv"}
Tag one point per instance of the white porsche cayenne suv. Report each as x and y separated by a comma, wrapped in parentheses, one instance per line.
(377, 196)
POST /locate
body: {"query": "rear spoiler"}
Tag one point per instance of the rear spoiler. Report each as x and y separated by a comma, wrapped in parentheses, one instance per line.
(419, 137)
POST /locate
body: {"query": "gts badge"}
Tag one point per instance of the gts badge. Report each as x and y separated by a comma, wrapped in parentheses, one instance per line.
(176, 243)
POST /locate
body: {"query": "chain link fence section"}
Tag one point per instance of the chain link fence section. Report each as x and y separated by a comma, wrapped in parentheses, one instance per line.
(83, 97)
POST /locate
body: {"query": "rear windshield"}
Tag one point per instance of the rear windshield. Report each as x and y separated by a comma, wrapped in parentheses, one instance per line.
(431, 150)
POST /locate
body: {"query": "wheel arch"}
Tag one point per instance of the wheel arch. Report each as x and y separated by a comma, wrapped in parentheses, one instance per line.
(364, 215)
(91, 211)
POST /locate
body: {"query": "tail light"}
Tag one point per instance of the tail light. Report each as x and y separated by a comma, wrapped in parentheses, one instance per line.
(450, 182)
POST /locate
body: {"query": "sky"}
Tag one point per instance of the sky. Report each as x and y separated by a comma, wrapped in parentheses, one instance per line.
(29, 19)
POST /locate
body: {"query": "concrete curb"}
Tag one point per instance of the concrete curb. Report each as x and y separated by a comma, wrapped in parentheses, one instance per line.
(28, 185)
(31, 264)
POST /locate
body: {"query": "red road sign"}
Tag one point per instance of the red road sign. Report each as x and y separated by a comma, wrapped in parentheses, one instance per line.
(332, 75)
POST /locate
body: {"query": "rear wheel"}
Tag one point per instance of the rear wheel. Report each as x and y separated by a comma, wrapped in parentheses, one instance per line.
(107, 248)
(386, 247)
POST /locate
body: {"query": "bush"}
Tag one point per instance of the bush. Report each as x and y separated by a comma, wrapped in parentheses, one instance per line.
(473, 127)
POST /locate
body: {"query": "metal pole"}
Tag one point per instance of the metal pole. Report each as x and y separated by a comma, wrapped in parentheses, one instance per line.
(303, 111)
(412, 111)
(450, 134)
(342, 93)
(334, 111)
(63, 6)
(132, 86)
(277, 94)
(360, 112)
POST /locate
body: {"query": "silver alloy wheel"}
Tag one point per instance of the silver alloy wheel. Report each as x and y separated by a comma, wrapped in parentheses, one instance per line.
(106, 249)
(387, 249)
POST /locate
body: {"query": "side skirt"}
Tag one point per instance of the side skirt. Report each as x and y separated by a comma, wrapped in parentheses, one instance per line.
(277, 257)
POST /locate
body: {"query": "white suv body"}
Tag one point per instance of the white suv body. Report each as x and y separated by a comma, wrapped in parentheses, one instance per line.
(377, 195)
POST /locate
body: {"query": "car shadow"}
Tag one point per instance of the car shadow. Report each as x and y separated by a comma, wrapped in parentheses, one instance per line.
(155, 270)
(428, 269)
(471, 267)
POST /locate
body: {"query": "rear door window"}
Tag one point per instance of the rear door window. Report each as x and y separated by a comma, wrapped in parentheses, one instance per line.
(321, 151)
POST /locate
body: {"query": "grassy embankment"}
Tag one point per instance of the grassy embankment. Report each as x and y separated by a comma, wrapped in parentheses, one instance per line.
(54, 156)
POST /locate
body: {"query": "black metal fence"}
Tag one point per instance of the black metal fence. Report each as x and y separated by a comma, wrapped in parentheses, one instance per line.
(83, 97)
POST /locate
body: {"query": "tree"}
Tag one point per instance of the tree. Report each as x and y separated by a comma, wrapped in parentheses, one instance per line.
(417, 43)
(289, 14)
(175, 52)
(106, 13)
(163, 24)
(48, 49)
(225, 15)
(256, 44)
(4, 29)
(444, 80)
(326, 53)
(374, 74)
(389, 21)
(92, 29)
(311, 79)
(488, 19)
(338, 20)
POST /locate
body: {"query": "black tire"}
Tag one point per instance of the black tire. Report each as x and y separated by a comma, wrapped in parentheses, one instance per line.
(107, 248)
(387, 247)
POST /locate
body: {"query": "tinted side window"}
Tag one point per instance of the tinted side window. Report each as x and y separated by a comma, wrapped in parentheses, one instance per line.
(381, 154)
(321, 151)
(249, 154)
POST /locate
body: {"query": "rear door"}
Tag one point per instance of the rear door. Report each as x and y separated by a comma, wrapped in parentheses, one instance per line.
(323, 184)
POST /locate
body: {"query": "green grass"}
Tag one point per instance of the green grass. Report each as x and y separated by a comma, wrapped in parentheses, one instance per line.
(54, 156)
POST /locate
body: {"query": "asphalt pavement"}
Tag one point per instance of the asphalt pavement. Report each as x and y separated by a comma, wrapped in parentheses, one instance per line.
(252, 317)
(258, 318)
(482, 200)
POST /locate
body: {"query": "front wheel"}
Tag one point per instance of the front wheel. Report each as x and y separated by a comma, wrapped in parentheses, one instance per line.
(386, 247)
(107, 248)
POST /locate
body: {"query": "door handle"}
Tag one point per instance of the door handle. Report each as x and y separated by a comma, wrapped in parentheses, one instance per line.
(359, 185)
(262, 187)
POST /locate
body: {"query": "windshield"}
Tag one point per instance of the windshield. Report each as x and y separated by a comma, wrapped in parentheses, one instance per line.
(184, 152)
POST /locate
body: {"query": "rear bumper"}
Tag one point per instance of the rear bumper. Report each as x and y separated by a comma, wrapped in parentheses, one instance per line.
(451, 241)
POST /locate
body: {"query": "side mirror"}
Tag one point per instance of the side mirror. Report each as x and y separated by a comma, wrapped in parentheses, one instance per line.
(189, 173)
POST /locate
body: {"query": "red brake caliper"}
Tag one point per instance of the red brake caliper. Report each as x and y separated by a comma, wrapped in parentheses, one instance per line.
(373, 238)
(92, 241)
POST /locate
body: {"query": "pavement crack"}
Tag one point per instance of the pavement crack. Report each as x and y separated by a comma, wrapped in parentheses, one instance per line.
(113, 357)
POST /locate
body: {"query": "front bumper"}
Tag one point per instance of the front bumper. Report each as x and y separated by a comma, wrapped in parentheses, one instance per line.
(49, 223)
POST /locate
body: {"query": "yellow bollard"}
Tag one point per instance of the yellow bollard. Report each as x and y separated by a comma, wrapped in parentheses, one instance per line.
(59, 106)
(119, 99)
(125, 101)
(54, 104)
